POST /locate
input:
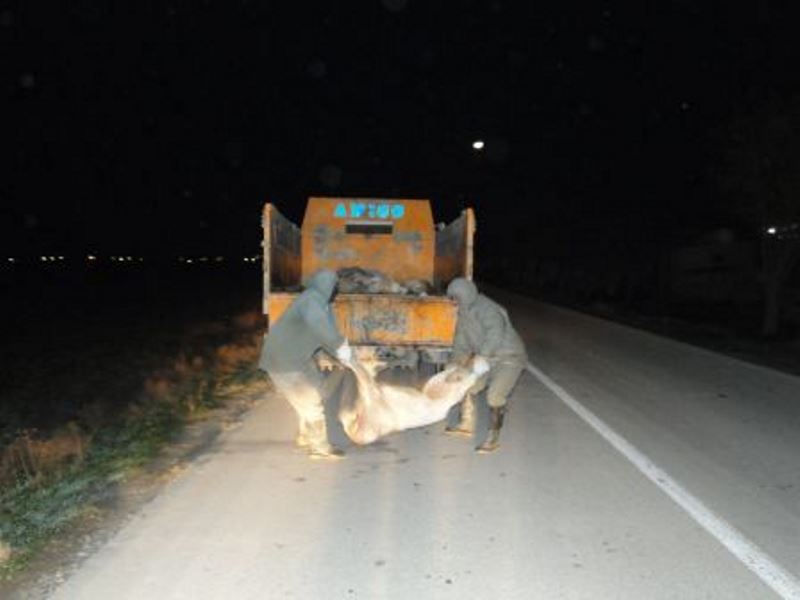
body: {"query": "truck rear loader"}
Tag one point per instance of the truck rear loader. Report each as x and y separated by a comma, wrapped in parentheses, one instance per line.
(396, 238)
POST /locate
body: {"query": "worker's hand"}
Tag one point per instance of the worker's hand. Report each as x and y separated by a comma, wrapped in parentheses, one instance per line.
(480, 365)
(344, 353)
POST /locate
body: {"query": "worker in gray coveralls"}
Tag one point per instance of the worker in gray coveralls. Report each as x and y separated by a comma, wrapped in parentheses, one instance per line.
(288, 352)
(484, 329)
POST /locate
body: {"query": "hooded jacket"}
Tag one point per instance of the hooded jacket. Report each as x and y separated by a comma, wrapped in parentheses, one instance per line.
(483, 327)
(306, 326)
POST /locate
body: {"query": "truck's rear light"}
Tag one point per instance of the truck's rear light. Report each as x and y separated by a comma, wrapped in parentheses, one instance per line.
(369, 228)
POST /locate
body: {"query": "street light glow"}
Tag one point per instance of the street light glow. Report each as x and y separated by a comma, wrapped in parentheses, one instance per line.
(772, 230)
(478, 144)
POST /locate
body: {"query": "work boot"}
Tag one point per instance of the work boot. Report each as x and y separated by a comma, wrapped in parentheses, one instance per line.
(326, 452)
(318, 445)
(492, 442)
(466, 423)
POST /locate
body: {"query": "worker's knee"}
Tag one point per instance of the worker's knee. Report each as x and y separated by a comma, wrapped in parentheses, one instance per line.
(495, 399)
(303, 395)
(502, 384)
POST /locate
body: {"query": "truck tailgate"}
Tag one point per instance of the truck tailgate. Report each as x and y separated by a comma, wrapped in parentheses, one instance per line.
(388, 320)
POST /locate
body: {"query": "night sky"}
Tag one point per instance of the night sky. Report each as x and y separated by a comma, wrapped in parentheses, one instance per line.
(161, 128)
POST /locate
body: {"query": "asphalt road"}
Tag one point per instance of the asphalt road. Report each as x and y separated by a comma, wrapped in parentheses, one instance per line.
(558, 512)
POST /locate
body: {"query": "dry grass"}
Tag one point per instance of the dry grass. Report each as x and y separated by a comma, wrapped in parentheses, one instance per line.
(29, 458)
(47, 479)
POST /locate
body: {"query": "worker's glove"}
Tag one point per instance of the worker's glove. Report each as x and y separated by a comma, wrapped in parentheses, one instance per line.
(344, 353)
(480, 365)
(462, 360)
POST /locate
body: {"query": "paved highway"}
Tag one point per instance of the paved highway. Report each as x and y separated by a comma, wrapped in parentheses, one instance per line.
(631, 467)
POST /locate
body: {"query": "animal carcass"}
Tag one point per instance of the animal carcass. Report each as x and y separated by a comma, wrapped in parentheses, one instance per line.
(355, 280)
(381, 408)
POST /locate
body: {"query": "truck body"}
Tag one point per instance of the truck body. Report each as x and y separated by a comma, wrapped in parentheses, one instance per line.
(396, 238)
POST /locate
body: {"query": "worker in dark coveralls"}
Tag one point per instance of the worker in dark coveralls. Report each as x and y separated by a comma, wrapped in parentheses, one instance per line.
(484, 329)
(288, 353)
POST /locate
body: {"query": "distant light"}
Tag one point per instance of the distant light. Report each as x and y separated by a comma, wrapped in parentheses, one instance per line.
(60, 258)
(478, 144)
(91, 257)
(772, 230)
(218, 259)
(141, 259)
(11, 259)
(53, 258)
(189, 260)
(204, 259)
(246, 259)
(128, 258)
(43, 258)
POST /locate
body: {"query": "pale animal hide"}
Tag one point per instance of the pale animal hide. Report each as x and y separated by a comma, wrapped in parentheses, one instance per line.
(381, 408)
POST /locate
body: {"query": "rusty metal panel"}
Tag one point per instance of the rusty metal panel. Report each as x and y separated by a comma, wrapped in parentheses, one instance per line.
(395, 237)
(469, 244)
(454, 249)
(387, 320)
(281, 253)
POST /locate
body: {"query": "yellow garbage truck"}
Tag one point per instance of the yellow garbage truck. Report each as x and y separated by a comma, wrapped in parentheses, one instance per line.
(394, 237)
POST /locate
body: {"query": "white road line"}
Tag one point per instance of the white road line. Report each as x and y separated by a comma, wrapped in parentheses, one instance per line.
(786, 585)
